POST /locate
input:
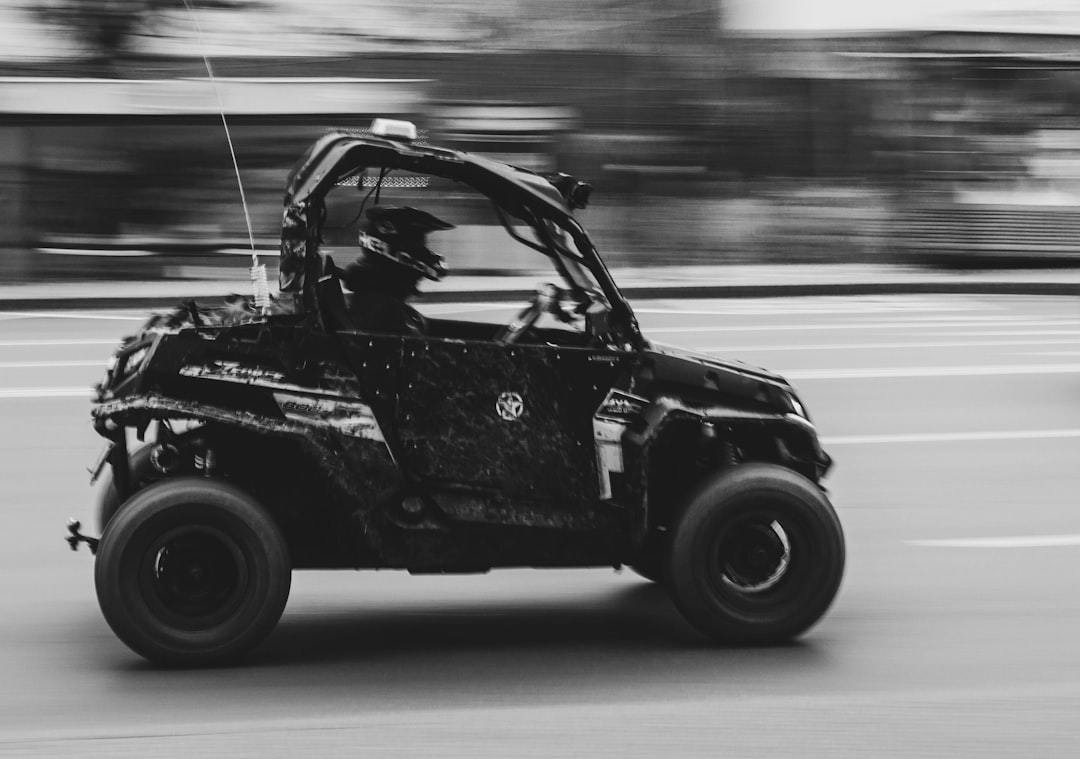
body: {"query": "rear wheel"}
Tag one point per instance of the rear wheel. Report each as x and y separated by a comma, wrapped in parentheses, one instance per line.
(757, 556)
(192, 572)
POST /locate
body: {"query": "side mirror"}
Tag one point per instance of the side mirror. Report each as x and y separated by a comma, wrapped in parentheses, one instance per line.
(575, 193)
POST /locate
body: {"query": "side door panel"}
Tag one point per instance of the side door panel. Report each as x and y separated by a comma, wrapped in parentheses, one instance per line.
(511, 421)
(376, 362)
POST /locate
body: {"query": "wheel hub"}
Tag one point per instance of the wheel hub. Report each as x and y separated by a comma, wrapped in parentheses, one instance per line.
(196, 573)
(754, 557)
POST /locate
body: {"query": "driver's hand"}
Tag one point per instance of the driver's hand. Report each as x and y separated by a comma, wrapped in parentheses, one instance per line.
(553, 299)
(550, 295)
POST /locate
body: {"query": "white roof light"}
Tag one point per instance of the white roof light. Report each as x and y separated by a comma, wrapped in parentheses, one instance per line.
(393, 129)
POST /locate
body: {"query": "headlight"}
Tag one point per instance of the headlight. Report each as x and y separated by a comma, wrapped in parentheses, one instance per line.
(786, 401)
(797, 407)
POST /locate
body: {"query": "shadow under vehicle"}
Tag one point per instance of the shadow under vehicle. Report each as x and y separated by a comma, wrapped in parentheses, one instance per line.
(279, 436)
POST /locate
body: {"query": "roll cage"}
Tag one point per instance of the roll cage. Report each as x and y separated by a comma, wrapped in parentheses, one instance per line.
(543, 203)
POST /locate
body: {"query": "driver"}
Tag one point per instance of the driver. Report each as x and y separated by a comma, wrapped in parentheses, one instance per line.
(385, 276)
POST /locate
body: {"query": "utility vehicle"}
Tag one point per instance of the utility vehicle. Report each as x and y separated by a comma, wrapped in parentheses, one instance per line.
(248, 440)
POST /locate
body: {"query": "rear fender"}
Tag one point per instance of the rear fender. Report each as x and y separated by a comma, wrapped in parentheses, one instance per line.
(303, 467)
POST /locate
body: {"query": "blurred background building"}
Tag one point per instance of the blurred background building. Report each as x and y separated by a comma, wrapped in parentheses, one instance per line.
(714, 130)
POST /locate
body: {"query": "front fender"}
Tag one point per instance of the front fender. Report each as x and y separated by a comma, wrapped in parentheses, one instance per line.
(675, 442)
(801, 449)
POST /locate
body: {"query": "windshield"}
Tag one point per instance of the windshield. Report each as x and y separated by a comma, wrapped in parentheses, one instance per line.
(486, 238)
(478, 217)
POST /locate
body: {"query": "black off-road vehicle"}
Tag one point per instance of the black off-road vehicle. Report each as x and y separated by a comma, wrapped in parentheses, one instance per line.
(284, 437)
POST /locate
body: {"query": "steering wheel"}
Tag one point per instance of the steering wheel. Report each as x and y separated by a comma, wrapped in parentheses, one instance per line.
(547, 300)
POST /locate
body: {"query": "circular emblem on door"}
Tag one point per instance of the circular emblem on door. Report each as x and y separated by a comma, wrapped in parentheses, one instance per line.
(510, 406)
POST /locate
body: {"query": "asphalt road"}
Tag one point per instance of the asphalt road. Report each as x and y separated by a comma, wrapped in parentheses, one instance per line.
(955, 425)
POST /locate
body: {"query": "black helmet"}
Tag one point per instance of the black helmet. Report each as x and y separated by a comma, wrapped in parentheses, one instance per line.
(399, 235)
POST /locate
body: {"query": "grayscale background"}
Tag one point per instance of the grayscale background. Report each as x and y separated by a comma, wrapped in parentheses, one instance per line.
(881, 201)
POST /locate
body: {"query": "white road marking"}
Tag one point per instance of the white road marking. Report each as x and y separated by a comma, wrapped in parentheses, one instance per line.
(35, 343)
(887, 345)
(949, 437)
(906, 324)
(1013, 332)
(768, 309)
(110, 315)
(927, 371)
(49, 364)
(22, 393)
(1018, 541)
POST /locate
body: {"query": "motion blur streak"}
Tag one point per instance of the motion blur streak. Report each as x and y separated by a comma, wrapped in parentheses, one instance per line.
(680, 726)
(25, 393)
(946, 437)
(714, 134)
(929, 371)
(1030, 541)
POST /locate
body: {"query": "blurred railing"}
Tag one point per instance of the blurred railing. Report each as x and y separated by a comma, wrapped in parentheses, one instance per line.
(987, 235)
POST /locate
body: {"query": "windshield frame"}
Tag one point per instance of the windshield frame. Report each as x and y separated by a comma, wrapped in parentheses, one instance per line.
(517, 192)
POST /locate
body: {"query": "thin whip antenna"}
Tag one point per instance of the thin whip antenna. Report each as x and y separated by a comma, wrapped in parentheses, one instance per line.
(258, 271)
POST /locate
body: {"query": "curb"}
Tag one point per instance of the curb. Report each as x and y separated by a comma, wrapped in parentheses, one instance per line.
(946, 287)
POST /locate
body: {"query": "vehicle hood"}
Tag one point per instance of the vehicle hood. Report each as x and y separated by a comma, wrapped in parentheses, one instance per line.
(675, 355)
(699, 372)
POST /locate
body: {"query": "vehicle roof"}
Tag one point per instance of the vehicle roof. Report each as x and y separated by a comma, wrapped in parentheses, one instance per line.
(337, 154)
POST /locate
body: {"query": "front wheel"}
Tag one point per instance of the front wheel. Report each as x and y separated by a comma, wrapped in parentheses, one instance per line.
(756, 557)
(192, 572)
